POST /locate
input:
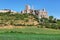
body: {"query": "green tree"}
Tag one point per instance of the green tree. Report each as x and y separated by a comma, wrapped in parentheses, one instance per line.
(51, 19)
(55, 20)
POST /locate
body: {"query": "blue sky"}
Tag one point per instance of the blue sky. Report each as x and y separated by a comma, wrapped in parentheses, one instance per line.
(51, 6)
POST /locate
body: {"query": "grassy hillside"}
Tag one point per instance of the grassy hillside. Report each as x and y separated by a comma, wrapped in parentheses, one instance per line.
(17, 19)
(13, 20)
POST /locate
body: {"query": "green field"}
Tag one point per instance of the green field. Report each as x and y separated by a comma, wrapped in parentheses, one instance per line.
(16, 36)
(29, 33)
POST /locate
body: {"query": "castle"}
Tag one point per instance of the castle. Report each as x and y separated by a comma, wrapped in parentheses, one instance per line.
(40, 13)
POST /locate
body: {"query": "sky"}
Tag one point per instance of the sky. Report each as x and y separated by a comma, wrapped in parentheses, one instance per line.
(51, 6)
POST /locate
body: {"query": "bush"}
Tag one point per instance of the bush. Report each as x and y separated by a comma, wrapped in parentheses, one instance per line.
(47, 25)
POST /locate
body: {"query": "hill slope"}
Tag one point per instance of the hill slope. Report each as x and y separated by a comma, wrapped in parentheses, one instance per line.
(7, 19)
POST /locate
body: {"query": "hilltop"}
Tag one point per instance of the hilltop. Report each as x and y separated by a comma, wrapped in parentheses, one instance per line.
(8, 19)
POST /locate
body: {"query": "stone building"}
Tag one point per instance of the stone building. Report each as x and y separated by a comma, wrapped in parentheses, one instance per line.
(40, 13)
(5, 10)
(43, 13)
(27, 9)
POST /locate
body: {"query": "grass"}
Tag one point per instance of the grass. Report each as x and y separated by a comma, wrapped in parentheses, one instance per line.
(17, 36)
(29, 33)
(31, 30)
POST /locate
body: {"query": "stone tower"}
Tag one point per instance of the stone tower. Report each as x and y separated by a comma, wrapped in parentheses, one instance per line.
(27, 9)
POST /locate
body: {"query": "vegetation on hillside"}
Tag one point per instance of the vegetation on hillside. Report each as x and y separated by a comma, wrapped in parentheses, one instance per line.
(51, 22)
(17, 19)
(28, 20)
